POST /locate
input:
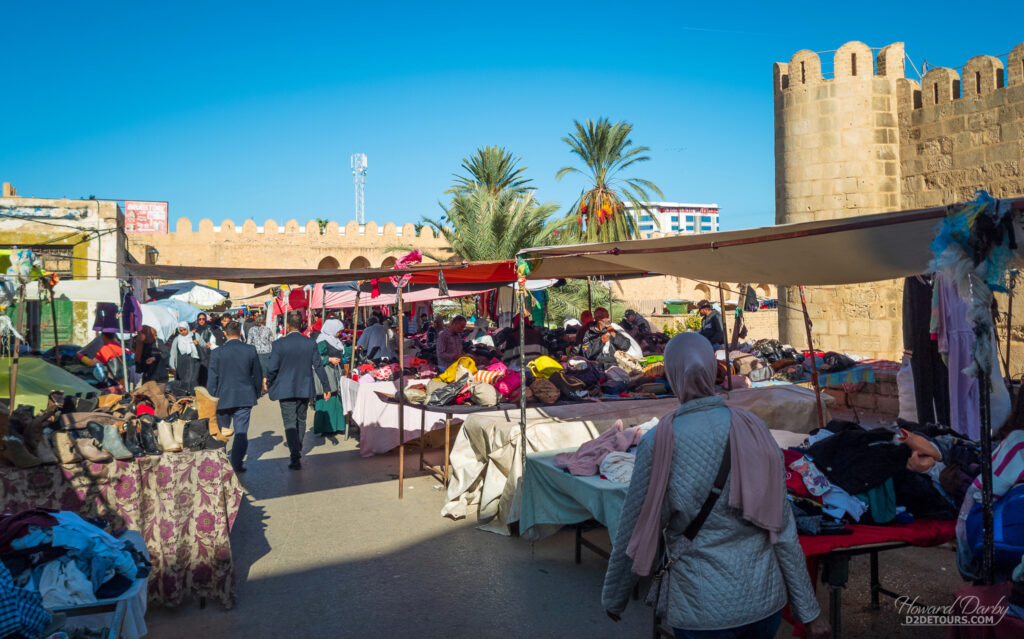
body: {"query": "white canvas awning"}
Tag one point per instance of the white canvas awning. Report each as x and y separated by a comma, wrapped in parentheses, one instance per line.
(105, 290)
(866, 248)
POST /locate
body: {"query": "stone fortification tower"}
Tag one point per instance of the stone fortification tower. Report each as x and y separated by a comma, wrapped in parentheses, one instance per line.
(869, 140)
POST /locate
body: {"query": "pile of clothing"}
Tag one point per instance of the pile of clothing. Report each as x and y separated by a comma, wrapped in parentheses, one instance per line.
(150, 421)
(766, 360)
(54, 559)
(548, 380)
(612, 455)
(845, 473)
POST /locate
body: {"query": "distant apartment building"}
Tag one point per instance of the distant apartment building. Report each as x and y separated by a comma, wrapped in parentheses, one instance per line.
(676, 217)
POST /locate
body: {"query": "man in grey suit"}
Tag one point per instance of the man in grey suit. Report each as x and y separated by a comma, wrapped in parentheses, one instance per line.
(236, 380)
(293, 360)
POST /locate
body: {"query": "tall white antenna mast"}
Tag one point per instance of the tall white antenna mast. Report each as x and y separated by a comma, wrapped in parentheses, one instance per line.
(359, 178)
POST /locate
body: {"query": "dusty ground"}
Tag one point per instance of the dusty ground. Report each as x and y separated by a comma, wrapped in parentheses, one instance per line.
(330, 551)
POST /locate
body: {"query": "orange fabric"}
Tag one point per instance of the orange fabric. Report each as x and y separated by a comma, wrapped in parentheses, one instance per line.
(108, 352)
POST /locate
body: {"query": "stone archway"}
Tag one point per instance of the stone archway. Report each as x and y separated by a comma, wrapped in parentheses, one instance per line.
(328, 263)
(703, 292)
(360, 262)
(389, 262)
(764, 291)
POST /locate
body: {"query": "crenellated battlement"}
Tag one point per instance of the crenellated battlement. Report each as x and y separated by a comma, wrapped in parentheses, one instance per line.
(853, 60)
(292, 227)
(982, 74)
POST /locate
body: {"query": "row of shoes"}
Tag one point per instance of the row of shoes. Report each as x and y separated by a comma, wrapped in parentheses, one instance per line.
(105, 433)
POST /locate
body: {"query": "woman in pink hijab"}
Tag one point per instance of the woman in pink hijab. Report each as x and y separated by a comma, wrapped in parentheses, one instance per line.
(745, 562)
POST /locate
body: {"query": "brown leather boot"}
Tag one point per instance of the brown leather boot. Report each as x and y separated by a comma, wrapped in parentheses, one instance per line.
(43, 450)
(206, 404)
(221, 434)
(14, 451)
(90, 449)
(64, 447)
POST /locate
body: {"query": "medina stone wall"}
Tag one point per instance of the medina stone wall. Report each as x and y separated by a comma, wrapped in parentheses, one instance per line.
(870, 140)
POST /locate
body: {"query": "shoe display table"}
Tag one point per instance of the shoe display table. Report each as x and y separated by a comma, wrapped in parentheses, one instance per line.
(183, 504)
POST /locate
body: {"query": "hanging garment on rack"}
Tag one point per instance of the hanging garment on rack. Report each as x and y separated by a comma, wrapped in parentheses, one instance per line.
(956, 342)
(931, 377)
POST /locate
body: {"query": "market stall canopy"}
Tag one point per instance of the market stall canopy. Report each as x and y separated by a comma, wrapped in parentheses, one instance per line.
(497, 272)
(105, 290)
(162, 319)
(190, 292)
(183, 311)
(865, 248)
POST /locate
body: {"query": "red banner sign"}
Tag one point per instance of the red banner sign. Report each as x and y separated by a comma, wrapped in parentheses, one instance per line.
(145, 217)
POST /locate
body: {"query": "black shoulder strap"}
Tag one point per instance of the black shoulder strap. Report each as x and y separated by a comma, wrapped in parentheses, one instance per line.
(716, 490)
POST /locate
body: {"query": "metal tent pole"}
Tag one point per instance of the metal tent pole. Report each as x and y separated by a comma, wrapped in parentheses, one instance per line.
(120, 338)
(988, 550)
(56, 334)
(814, 360)
(522, 372)
(1009, 320)
(401, 395)
(590, 300)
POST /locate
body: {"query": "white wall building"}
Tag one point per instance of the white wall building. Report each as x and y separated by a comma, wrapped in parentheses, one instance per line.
(677, 217)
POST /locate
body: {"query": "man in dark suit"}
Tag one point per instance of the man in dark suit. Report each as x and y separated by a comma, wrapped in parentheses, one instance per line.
(236, 380)
(293, 360)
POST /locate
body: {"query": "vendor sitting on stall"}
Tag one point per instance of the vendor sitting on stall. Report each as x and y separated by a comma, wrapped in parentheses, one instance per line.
(636, 324)
(711, 325)
(508, 341)
(374, 340)
(602, 341)
(449, 342)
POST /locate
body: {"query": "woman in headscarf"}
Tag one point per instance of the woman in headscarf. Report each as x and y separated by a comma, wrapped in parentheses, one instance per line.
(329, 418)
(149, 360)
(185, 359)
(738, 570)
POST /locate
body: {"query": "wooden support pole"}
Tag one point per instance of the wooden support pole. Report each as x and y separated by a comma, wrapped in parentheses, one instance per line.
(590, 299)
(814, 360)
(18, 328)
(725, 337)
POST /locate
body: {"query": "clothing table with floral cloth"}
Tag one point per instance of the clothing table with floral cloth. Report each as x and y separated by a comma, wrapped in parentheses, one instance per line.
(184, 505)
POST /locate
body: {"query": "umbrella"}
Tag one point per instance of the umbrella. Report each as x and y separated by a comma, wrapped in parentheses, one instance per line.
(190, 292)
(183, 311)
(163, 319)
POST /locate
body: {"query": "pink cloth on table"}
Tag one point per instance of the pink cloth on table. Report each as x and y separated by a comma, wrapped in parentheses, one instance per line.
(586, 460)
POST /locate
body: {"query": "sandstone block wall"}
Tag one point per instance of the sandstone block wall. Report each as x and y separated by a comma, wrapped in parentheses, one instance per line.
(869, 140)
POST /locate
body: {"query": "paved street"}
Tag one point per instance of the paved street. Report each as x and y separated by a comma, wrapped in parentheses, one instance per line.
(330, 551)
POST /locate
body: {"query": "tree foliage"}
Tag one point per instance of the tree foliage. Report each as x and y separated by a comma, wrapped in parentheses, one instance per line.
(494, 168)
(606, 150)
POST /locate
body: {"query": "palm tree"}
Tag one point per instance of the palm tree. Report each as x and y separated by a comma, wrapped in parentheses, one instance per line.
(493, 167)
(599, 215)
(480, 224)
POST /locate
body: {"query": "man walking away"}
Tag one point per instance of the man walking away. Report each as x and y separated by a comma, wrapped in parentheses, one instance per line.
(293, 361)
(236, 379)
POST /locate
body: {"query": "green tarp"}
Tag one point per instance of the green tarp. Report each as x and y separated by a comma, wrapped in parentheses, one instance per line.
(36, 378)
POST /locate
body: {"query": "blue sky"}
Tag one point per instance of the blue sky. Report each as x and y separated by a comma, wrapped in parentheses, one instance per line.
(252, 110)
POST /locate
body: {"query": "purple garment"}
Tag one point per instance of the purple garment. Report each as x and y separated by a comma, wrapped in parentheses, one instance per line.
(106, 318)
(132, 314)
(956, 341)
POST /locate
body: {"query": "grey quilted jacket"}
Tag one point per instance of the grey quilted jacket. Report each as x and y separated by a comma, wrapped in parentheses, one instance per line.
(732, 575)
